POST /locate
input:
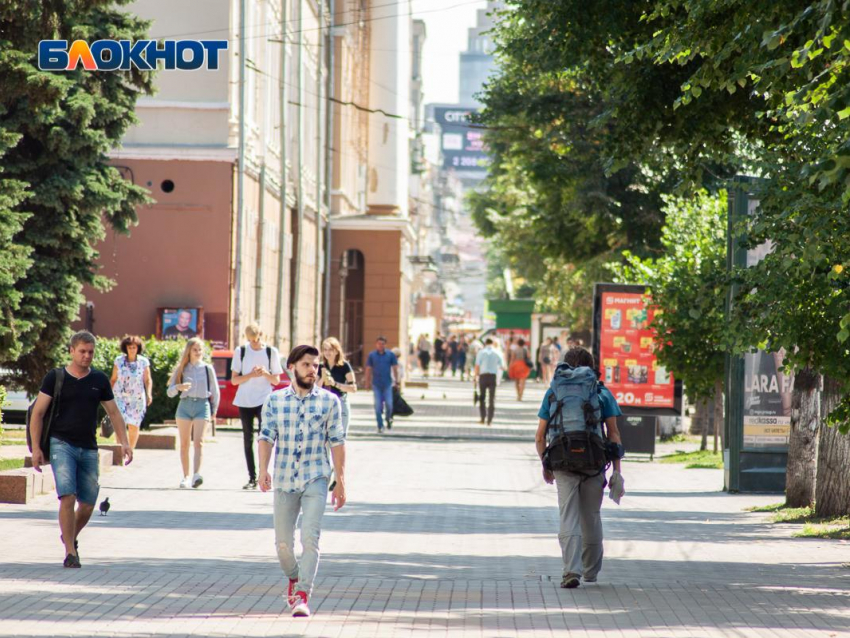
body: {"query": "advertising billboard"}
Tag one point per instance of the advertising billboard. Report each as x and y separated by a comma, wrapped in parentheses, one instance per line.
(179, 323)
(461, 143)
(624, 346)
(767, 402)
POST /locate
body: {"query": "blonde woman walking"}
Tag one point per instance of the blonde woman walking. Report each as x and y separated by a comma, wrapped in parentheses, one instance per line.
(337, 376)
(196, 383)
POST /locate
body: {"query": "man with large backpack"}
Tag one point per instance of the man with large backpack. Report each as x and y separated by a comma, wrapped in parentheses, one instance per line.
(572, 443)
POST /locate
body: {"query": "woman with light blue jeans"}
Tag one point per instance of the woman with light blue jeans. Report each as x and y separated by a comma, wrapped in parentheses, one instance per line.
(196, 382)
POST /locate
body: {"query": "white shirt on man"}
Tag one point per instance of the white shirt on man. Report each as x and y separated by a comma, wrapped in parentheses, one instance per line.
(253, 392)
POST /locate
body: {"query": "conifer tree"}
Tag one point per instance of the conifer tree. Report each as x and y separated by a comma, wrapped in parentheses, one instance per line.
(59, 190)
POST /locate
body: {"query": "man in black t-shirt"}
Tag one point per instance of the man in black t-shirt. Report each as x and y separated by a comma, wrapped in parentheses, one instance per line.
(73, 438)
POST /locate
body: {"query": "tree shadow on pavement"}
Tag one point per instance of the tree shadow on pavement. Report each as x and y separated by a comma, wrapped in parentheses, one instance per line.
(352, 589)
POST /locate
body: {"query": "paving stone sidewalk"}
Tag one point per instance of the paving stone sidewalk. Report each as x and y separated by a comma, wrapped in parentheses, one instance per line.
(441, 537)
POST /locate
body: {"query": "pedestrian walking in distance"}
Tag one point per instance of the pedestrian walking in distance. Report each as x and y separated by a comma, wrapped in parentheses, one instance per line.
(256, 370)
(132, 385)
(382, 377)
(73, 437)
(301, 422)
(337, 376)
(519, 367)
(569, 406)
(489, 363)
(547, 358)
(424, 347)
(195, 381)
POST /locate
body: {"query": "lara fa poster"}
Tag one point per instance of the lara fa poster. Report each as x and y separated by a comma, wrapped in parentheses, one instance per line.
(627, 353)
(767, 402)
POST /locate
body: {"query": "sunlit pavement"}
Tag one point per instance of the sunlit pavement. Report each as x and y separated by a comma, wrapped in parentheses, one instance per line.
(442, 536)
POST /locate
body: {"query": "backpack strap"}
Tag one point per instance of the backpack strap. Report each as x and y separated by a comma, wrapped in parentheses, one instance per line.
(269, 355)
(54, 407)
(552, 417)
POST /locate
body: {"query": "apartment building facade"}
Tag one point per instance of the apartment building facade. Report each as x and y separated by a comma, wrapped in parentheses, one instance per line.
(280, 182)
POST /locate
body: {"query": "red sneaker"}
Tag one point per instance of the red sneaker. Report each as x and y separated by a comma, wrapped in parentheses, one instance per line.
(290, 592)
(300, 609)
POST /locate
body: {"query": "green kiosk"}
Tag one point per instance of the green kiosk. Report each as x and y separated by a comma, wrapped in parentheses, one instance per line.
(513, 318)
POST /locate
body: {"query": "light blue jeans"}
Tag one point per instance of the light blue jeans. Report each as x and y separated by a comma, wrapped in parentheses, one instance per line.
(383, 401)
(310, 504)
(346, 413)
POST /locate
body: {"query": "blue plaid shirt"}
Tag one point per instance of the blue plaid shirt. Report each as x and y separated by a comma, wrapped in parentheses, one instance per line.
(303, 429)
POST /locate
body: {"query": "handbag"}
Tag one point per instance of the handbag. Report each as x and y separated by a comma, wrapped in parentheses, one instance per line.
(400, 406)
(106, 427)
(475, 397)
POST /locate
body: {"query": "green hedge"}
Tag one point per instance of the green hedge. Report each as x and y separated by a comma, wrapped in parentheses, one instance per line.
(163, 356)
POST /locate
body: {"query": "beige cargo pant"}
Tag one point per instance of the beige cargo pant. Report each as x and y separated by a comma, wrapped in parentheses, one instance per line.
(580, 533)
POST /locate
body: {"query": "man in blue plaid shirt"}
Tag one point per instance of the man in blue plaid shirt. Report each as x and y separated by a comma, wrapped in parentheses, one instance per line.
(304, 421)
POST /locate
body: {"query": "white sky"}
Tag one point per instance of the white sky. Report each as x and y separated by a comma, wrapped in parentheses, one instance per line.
(446, 22)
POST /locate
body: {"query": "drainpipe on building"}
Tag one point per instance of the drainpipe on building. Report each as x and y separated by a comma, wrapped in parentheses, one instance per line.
(299, 124)
(281, 254)
(240, 182)
(317, 288)
(329, 126)
(261, 222)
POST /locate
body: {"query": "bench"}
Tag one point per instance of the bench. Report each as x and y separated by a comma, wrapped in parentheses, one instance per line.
(21, 485)
(159, 439)
(24, 484)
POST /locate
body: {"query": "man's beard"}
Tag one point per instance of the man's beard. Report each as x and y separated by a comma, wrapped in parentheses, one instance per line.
(303, 383)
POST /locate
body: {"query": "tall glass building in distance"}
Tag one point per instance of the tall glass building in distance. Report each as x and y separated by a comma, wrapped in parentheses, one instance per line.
(477, 63)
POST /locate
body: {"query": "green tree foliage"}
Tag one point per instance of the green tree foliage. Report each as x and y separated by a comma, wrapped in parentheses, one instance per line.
(561, 199)
(687, 283)
(16, 258)
(55, 129)
(164, 356)
(795, 59)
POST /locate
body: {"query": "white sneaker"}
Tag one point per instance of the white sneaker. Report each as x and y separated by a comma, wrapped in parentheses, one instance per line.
(197, 480)
(186, 482)
(300, 609)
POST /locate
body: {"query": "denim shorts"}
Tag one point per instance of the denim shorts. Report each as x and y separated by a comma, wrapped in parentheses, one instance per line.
(75, 471)
(193, 409)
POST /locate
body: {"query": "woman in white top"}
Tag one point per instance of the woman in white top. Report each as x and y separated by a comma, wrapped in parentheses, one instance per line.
(196, 382)
(255, 370)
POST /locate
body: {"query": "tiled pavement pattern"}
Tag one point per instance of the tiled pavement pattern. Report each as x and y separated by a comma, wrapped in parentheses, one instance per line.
(440, 538)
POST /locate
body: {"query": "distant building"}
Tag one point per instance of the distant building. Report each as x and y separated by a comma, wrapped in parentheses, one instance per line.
(477, 62)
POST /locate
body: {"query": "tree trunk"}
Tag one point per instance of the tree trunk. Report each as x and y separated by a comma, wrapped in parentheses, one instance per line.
(800, 475)
(833, 476)
(718, 413)
(700, 421)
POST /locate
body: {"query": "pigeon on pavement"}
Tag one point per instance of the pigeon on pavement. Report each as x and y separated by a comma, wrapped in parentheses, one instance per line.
(104, 507)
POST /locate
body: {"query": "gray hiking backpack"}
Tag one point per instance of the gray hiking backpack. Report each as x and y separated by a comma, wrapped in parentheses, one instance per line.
(575, 431)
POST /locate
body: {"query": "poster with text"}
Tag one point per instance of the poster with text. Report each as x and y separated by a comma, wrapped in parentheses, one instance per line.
(627, 353)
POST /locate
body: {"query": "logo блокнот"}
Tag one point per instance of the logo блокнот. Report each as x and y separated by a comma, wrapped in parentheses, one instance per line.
(122, 55)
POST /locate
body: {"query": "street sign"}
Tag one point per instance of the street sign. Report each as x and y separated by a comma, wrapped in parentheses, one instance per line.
(461, 142)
